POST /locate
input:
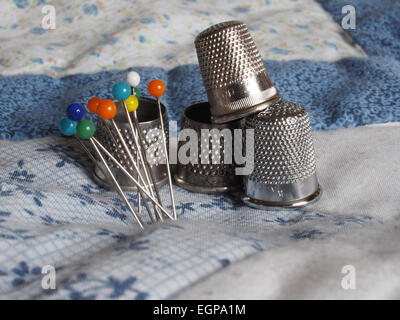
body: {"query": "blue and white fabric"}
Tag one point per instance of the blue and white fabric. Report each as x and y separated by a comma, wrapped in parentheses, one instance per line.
(52, 212)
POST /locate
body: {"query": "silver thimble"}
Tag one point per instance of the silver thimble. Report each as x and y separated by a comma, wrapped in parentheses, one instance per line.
(149, 123)
(211, 168)
(284, 160)
(233, 72)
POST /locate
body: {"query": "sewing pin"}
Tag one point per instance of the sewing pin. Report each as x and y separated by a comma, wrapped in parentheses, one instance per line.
(93, 104)
(133, 79)
(120, 166)
(156, 89)
(107, 110)
(122, 92)
(84, 130)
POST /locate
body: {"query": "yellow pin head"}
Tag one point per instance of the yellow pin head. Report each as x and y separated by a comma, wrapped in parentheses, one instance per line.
(132, 103)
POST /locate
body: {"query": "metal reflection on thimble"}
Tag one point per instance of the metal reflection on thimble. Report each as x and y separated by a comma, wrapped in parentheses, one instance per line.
(211, 167)
(150, 126)
(284, 160)
(233, 72)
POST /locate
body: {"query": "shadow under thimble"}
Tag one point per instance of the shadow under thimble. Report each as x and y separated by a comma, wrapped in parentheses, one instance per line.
(204, 168)
(284, 172)
(150, 125)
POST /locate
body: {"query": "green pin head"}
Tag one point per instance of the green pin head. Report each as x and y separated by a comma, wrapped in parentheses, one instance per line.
(85, 129)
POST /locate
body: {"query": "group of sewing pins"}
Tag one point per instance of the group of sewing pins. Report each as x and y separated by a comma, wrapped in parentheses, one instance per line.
(128, 94)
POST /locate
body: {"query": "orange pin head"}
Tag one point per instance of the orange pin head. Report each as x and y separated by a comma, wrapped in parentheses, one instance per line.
(107, 109)
(156, 88)
(93, 104)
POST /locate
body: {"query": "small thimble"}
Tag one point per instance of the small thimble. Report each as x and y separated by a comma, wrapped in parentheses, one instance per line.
(150, 125)
(233, 72)
(284, 172)
(208, 151)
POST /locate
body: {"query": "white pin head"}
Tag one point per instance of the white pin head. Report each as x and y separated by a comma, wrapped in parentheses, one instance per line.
(133, 78)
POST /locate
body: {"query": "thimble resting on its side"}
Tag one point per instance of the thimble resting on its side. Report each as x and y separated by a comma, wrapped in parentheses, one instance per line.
(216, 176)
(233, 72)
(148, 121)
(284, 161)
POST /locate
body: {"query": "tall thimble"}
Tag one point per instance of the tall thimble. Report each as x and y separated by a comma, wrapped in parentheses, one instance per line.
(284, 160)
(150, 125)
(211, 168)
(233, 72)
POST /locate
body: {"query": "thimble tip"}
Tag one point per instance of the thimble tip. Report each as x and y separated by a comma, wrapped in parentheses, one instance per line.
(218, 27)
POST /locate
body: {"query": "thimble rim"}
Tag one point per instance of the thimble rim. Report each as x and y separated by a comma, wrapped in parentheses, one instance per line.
(202, 106)
(226, 118)
(181, 182)
(265, 205)
(121, 117)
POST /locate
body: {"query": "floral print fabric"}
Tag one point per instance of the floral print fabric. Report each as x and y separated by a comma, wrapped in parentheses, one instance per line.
(106, 35)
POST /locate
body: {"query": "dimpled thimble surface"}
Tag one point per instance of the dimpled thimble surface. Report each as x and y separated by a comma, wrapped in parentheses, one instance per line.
(150, 126)
(284, 159)
(207, 171)
(233, 72)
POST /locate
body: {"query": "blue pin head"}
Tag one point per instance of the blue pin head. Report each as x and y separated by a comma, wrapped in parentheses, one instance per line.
(68, 126)
(75, 111)
(121, 91)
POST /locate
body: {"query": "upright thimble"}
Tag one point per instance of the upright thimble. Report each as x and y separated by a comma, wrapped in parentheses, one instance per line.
(211, 168)
(284, 159)
(233, 72)
(150, 126)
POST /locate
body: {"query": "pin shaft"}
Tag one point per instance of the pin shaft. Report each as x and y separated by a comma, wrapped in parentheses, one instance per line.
(139, 152)
(166, 156)
(140, 177)
(140, 136)
(118, 188)
(131, 177)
